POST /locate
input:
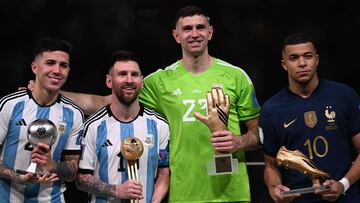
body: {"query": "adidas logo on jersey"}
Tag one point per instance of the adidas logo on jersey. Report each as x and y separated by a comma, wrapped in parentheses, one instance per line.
(107, 143)
(176, 92)
(21, 122)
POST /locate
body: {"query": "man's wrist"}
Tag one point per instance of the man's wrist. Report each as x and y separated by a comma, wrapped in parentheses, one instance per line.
(345, 182)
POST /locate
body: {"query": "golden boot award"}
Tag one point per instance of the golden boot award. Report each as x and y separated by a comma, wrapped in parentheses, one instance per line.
(218, 107)
(298, 161)
(40, 131)
(131, 149)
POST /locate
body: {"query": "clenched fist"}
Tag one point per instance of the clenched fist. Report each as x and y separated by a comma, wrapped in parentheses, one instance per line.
(218, 106)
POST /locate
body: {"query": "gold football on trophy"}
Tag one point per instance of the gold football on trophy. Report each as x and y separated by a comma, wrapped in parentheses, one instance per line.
(132, 148)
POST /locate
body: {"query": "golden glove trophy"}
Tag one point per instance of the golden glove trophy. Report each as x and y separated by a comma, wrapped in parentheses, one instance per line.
(131, 149)
(39, 131)
(218, 107)
(298, 161)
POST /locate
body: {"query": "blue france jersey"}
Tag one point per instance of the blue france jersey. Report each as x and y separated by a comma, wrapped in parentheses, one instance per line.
(17, 111)
(103, 135)
(320, 126)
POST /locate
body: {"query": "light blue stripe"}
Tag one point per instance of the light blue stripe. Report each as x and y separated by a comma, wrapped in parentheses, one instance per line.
(10, 149)
(68, 119)
(100, 199)
(32, 189)
(102, 156)
(43, 112)
(126, 130)
(152, 159)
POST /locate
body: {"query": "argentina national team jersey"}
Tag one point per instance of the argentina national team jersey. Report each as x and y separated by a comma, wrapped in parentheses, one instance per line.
(103, 135)
(17, 111)
(320, 126)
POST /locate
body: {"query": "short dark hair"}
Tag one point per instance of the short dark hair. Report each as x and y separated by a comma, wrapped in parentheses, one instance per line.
(52, 44)
(190, 11)
(123, 55)
(297, 38)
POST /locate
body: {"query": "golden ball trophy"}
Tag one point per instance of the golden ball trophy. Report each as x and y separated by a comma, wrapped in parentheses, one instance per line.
(131, 149)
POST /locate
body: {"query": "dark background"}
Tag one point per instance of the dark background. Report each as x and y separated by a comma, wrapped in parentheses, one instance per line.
(248, 34)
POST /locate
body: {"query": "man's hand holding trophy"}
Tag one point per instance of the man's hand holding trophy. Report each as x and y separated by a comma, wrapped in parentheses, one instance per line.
(131, 149)
(298, 161)
(41, 134)
(223, 141)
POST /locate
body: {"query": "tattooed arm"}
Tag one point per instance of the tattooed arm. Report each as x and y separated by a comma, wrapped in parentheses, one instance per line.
(66, 169)
(131, 189)
(11, 175)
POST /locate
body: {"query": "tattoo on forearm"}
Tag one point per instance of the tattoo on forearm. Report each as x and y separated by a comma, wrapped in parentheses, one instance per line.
(93, 185)
(6, 172)
(66, 170)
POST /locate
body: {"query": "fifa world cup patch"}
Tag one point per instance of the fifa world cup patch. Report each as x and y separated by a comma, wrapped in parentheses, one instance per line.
(149, 140)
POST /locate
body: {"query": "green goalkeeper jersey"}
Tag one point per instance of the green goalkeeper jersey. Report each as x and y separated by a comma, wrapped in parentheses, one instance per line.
(177, 94)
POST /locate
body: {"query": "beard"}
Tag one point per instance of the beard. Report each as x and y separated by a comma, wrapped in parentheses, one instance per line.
(127, 100)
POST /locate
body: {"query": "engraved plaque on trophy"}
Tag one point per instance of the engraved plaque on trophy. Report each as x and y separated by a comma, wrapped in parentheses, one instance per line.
(40, 131)
(298, 161)
(131, 149)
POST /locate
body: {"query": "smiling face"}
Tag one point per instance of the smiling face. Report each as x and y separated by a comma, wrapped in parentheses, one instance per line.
(300, 61)
(125, 80)
(51, 69)
(193, 33)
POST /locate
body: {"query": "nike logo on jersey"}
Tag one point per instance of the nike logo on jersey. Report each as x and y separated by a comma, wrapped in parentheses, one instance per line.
(286, 125)
(21, 122)
(107, 143)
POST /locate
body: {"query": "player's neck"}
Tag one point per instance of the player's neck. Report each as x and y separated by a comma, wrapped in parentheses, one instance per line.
(44, 97)
(125, 113)
(304, 89)
(197, 64)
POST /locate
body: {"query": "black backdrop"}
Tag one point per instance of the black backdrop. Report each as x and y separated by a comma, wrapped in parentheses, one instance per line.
(248, 33)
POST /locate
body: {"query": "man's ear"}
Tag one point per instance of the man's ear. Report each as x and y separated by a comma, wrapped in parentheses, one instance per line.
(33, 67)
(211, 31)
(108, 81)
(283, 65)
(176, 36)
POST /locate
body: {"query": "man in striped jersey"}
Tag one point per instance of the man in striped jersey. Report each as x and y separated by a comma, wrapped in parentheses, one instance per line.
(177, 92)
(18, 110)
(102, 169)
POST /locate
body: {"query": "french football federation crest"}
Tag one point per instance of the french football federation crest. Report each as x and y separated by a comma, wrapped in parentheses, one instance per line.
(310, 119)
(330, 115)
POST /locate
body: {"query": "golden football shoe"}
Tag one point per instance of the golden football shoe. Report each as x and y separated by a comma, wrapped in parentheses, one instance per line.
(297, 160)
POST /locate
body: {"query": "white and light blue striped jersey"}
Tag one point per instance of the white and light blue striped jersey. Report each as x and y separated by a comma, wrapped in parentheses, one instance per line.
(17, 111)
(103, 135)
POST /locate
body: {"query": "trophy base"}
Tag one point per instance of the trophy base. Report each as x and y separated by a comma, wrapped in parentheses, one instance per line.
(31, 169)
(306, 190)
(222, 164)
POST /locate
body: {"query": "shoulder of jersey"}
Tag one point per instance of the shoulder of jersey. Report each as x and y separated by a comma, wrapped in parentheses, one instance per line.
(169, 69)
(11, 97)
(155, 114)
(69, 102)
